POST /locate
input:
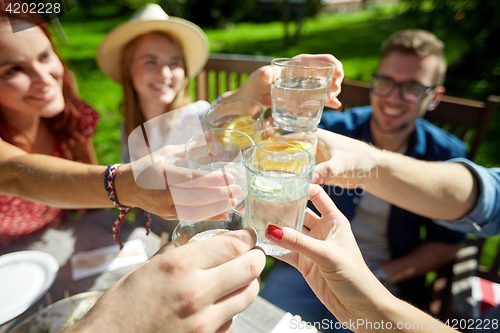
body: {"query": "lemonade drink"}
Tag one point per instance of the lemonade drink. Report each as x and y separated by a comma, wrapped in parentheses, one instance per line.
(278, 176)
(303, 139)
(299, 92)
(220, 150)
(277, 198)
(245, 115)
(298, 103)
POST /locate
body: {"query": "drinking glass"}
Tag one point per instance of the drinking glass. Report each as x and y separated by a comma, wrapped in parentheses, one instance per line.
(192, 231)
(245, 115)
(278, 176)
(299, 92)
(220, 149)
(303, 139)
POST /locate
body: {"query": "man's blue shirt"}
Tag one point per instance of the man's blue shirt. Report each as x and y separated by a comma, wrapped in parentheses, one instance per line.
(427, 142)
(484, 219)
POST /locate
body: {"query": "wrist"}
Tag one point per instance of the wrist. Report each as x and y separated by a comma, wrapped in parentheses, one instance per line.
(380, 161)
(110, 184)
(124, 181)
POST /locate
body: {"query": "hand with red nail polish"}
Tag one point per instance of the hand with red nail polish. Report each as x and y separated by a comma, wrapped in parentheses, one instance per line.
(327, 254)
(274, 233)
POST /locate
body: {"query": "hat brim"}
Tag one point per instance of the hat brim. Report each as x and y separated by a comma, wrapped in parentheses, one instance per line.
(193, 40)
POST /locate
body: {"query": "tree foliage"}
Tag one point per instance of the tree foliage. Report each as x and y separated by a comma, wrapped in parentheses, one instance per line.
(210, 13)
(476, 25)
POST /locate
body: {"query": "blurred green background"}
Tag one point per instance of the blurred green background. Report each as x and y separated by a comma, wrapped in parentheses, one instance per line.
(352, 33)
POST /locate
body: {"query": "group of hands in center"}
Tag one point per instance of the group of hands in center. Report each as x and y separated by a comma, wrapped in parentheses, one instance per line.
(200, 286)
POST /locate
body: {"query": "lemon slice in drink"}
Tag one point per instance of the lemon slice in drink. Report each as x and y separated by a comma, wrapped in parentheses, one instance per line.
(240, 123)
(268, 163)
(266, 185)
(285, 147)
(206, 234)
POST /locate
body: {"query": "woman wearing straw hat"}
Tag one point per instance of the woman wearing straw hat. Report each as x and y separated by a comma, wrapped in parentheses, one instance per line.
(153, 56)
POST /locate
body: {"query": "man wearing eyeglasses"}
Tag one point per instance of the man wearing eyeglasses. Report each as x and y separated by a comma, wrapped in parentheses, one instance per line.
(400, 247)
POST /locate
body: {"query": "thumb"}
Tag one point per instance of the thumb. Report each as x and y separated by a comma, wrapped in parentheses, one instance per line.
(295, 241)
(266, 75)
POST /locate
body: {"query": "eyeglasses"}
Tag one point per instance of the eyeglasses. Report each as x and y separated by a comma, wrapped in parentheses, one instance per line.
(410, 91)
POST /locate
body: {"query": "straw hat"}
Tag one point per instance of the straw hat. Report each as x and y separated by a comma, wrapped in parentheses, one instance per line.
(148, 19)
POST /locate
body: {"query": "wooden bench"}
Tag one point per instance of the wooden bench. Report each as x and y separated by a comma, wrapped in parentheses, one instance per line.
(226, 72)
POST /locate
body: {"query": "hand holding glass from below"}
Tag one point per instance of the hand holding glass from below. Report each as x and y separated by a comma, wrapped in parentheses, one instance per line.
(220, 149)
(193, 231)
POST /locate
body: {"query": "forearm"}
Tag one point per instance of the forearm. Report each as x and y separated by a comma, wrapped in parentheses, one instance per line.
(399, 316)
(387, 313)
(420, 261)
(54, 181)
(436, 190)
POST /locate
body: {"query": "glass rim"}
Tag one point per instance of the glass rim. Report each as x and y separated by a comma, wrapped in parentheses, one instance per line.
(252, 142)
(230, 210)
(278, 62)
(308, 154)
(216, 106)
(308, 132)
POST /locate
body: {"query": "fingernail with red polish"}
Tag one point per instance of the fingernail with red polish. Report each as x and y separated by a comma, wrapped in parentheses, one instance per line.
(274, 233)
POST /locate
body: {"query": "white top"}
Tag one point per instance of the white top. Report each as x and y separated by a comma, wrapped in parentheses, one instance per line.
(369, 226)
(172, 128)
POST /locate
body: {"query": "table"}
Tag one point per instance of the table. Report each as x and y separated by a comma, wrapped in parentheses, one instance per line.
(93, 231)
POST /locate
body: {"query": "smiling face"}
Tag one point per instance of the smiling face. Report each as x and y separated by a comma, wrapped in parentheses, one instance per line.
(157, 71)
(391, 114)
(31, 74)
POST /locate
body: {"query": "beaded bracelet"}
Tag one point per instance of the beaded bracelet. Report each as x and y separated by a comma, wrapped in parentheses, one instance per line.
(109, 185)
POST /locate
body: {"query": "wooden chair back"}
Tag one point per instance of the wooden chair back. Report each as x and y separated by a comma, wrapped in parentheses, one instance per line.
(226, 72)
(467, 119)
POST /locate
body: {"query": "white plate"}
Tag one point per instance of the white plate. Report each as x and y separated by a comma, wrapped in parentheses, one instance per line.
(60, 315)
(25, 276)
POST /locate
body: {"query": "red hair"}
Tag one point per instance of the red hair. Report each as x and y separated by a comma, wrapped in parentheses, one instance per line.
(73, 144)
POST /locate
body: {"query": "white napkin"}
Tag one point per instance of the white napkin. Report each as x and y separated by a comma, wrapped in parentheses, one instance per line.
(292, 324)
(85, 264)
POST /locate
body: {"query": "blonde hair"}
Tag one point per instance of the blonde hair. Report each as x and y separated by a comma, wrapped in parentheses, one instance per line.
(130, 105)
(418, 42)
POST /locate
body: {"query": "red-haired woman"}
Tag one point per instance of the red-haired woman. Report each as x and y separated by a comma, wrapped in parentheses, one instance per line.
(45, 147)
